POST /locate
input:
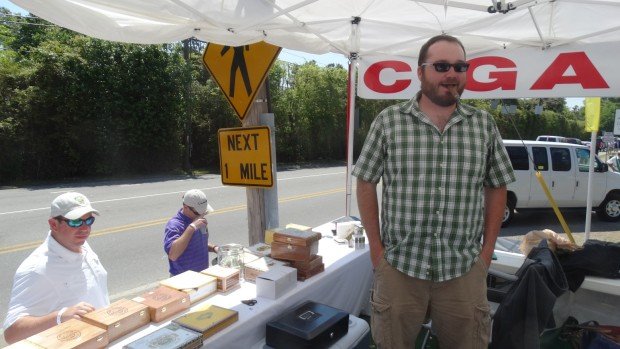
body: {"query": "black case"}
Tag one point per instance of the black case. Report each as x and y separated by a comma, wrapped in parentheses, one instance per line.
(310, 325)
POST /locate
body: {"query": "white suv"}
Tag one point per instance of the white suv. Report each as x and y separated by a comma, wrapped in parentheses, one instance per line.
(564, 167)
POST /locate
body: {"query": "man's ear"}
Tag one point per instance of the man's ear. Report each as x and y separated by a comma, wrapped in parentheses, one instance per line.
(53, 222)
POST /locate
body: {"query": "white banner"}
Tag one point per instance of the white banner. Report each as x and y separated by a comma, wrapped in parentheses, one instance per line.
(566, 71)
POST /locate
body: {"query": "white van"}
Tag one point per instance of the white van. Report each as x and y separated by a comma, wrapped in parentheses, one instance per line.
(564, 167)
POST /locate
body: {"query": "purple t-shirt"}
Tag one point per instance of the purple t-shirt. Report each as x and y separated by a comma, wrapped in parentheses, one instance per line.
(196, 255)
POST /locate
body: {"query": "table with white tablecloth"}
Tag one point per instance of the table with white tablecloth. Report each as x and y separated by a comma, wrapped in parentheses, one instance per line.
(345, 284)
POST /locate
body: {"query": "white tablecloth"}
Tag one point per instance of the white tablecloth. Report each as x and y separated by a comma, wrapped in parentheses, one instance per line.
(345, 284)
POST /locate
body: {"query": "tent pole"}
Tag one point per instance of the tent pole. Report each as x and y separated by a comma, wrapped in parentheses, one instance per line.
(350, 126)
(589, 191)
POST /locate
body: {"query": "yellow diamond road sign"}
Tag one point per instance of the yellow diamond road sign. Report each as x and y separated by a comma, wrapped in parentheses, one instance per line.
(239, 71)
(245, 156)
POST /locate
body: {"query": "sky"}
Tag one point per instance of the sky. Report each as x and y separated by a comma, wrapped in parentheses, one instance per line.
(297, 56)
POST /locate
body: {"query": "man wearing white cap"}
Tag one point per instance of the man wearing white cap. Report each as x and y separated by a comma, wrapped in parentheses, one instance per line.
(186, 238)
(62, 278)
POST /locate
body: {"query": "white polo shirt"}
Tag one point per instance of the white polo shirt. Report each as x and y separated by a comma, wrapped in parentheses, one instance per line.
(53, 277)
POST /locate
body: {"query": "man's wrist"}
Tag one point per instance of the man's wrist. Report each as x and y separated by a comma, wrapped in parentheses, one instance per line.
(59, 315)
(193, 226)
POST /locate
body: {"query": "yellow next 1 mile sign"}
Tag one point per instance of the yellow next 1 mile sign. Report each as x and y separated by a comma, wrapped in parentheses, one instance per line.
(245, 156)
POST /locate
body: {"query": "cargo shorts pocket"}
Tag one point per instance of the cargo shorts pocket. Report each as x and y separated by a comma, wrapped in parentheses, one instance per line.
(380, 322)
(482, 323)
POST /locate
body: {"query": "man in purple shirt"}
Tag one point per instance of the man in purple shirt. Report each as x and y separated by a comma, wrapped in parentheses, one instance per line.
(186, 238)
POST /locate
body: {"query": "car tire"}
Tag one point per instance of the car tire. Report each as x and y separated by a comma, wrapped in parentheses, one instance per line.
(509, 212)
(609, 210)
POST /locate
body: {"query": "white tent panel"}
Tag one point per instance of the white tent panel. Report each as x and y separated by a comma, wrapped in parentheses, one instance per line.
(392, 27)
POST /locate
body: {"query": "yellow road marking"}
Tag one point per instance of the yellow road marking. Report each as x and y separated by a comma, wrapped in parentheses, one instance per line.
(122, 228)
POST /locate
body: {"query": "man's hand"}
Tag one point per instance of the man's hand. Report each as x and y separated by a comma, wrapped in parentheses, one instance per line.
(200, 222)
(376, 254)
(76, 311)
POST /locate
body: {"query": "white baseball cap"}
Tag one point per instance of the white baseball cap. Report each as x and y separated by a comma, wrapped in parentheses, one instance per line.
(71, 205)
(197, 200)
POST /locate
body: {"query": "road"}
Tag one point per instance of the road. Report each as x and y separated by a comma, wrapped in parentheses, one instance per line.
(128, 234)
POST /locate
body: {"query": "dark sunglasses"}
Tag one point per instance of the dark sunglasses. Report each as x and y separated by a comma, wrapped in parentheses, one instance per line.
(442, 67)
(76, 223)
(193, 211)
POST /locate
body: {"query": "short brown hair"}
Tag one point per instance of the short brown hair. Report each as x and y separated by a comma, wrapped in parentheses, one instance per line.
(443, 37)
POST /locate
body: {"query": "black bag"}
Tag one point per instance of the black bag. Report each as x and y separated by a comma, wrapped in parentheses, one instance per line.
(310, 325)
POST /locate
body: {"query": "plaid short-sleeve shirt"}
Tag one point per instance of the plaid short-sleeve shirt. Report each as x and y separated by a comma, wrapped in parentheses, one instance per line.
(432, 210)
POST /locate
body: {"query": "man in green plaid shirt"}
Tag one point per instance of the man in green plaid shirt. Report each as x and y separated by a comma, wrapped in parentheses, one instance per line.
(444, 172)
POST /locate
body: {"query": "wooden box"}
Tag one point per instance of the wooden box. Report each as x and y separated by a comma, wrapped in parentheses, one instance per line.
(195, 284)
(119, 318)
(303, 275)
(227, 278)
(296, 237)
(261, 265)
(208, 319)
(295, 245)
(314, 262)
(71, 334)
(171, 336)
(164, 302)
(290, 252)
(23, 344)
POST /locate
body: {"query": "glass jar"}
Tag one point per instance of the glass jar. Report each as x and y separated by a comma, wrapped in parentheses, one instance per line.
(230, 256)
(359, 240)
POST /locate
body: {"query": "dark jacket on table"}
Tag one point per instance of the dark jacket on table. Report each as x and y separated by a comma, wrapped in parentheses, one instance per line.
(528, 306)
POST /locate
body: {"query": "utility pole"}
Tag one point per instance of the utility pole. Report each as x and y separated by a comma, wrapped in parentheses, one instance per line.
(188, 110)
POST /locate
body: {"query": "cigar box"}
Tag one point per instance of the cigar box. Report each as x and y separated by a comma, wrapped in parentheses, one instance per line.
(164, 302)
(248, 256)
(227, 278)
(298, 226)
(71, 334)
(290, 252)
(260, 249)
(208, 319)
(23, 344)
(171, 336)
(195, 284)
(314, 261)
(303, 275)
(259, 266)
(296, 237)
(119, 318)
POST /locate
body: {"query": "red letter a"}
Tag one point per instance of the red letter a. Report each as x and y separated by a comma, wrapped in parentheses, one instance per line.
(585, 73)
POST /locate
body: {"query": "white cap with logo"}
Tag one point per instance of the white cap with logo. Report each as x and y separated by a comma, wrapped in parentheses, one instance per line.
(197, 200)
(71, 205)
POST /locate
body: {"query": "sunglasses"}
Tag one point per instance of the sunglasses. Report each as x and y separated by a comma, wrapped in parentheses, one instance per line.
(194, 211)
(76, 223)
(442, 67)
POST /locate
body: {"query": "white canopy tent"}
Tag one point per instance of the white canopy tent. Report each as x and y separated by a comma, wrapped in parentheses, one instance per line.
(354, 28)
(392, 27)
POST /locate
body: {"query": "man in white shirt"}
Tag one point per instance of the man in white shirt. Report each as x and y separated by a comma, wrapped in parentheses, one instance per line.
(62, 278)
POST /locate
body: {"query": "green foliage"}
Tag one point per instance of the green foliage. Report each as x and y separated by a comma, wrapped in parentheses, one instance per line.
(310, 109)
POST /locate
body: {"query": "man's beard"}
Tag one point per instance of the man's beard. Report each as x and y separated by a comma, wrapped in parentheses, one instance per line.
(431, 91)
